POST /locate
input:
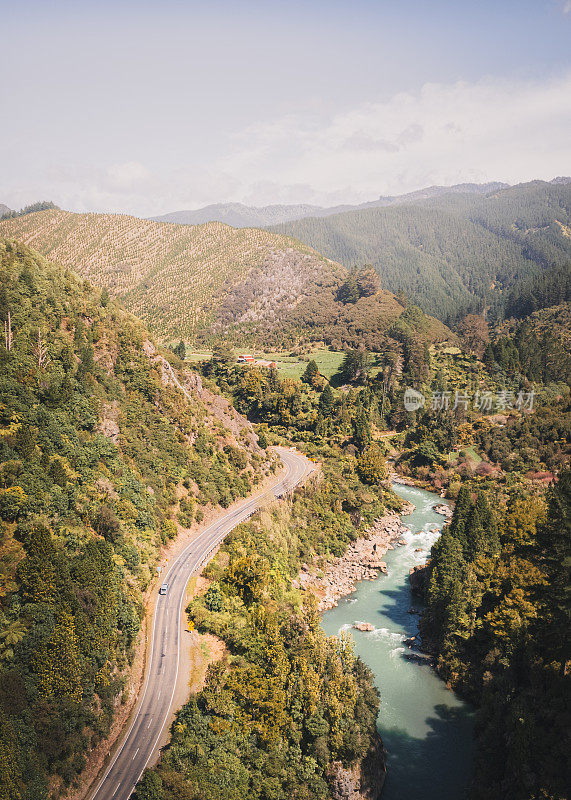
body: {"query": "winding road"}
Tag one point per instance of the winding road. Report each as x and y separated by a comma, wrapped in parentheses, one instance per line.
(165, 679)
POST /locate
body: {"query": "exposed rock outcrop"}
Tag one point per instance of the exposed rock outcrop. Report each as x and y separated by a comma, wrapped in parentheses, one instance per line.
(418, 578)
(443, 509)
(108, 416)
(363, 560)
(363, 781)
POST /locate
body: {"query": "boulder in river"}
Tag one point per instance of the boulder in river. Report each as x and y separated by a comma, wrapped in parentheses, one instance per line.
(363, 626)
(420, 658)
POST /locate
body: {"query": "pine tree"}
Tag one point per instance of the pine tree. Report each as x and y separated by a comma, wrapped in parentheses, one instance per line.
(475, 528)
(362, 430)
(460, 516)
(554, 557)
(488, 357)
(327, 402)
(355, 366)
(311, 373)
(321, 425)
(180, 350)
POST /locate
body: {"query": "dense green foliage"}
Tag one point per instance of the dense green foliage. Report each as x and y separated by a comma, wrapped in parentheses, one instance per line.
(42, 205)
(286, 702)
(458, 252)
(94, 451)
(100, 461)
(538, 348)
(498, 619)
(533, 442)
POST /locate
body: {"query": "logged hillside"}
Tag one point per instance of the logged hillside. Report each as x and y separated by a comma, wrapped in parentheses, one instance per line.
(211, 280)
(173, 277)
(457, 252)
(101, 461)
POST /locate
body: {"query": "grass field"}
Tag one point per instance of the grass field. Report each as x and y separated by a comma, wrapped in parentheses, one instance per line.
(468, 451)
(328, 361)
(202, 355)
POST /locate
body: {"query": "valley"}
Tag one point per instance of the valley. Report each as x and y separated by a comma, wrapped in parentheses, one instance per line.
(285, 400)
(116, 445)
(456, 253)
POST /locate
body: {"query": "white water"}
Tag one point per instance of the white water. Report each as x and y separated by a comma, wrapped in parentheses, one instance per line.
(426, 728)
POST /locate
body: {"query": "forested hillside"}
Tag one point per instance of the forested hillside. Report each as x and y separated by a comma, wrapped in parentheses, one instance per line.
(460, 252)
(288, 713)
(100, 461)
(284, 304)
(498, 620)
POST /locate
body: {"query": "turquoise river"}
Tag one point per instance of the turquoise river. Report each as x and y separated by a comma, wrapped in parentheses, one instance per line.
(426, 729)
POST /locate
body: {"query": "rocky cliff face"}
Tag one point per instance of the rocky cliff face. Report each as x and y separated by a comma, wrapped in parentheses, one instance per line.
(418, 578)
(364, 781)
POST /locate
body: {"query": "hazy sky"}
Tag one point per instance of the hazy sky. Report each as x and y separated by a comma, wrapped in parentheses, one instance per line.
(147, 107)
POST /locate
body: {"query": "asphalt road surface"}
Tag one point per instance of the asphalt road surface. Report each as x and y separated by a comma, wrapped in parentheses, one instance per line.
(142, 742)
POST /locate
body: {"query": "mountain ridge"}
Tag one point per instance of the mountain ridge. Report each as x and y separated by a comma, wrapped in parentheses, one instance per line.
(453, 253)
(241, 215)
(211, 281)
(172, 276)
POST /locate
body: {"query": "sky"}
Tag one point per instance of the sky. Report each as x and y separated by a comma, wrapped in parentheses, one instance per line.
(149, 107)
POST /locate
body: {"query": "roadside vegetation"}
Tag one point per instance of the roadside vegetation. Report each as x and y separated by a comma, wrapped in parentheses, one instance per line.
(497, 612)
(99, 462)
(102, 462)
(288, 709)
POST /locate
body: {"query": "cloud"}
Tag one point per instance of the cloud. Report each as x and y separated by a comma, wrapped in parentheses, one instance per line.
(566, 6)
(126, 176)
(445, 133)
(509, 130)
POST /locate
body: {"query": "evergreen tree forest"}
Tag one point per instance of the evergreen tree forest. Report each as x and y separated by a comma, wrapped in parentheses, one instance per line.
(457, 253)
(97, 459)
(498, 621)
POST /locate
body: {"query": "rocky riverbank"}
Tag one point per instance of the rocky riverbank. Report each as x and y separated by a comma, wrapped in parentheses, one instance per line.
(363, 560)
(444, 510)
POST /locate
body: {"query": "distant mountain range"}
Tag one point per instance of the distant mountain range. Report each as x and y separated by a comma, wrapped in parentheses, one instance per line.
(4, 210)
(457, 252)
(241, 216)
